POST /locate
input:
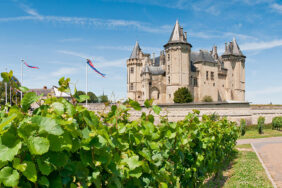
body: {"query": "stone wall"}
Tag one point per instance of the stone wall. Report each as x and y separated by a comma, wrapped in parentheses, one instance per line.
(233, 111)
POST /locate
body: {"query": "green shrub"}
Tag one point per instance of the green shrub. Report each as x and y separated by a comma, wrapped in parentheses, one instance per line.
(207, 99)
(182, 95)
(260, 124)
(243, 127)
(62, 144)
(277, 122)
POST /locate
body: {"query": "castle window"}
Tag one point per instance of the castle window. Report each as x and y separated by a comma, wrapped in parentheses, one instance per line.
(168, 57)
(207, 75)
(168, 69)
(131, 70)
(131, 86)
(169, 95)
(212, 75)
(195, 82)
(169, 80)
(150, 83)
(213, 84)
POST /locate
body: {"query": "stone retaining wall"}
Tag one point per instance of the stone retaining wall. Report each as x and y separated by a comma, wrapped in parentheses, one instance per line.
(233, 111)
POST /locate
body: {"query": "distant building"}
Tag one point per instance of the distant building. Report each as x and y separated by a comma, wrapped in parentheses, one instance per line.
(52, 91)
(204, 73)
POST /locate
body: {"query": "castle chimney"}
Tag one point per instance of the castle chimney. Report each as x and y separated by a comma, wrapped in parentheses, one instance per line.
(185, 33)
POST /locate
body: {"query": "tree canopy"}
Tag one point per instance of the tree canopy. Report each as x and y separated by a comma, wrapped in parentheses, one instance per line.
(182, 95)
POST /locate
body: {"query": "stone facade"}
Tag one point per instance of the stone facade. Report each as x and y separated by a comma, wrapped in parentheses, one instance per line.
(204, 73)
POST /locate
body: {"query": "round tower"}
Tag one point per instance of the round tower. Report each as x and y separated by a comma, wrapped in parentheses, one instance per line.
(134, 66)
(177, 54)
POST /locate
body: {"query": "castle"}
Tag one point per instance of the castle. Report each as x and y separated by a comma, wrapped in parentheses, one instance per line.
(204, 73)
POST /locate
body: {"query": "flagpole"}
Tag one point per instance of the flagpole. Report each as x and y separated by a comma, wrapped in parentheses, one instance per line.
(86, 67)
(22, 78)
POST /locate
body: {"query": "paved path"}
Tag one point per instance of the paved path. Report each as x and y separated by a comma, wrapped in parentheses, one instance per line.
(269, 150)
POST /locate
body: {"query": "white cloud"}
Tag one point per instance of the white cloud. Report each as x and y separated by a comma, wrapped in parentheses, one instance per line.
(64, 71)
(261, 45)
(277, 7)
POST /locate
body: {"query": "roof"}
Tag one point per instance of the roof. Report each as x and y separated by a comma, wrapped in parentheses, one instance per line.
(135, 51)
(43, 91)
(202, 56)
(232, 48)
(177, 35)
(59, 93)
(154, 70)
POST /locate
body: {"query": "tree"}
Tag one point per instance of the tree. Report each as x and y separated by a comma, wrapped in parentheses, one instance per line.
(11, 87)
(93, 97)
(207, 98)
(182, 95)
(103, 98)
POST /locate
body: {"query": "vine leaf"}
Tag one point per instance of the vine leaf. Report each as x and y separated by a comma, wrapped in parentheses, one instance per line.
(47, 125)
(28, 99)
(38, 145)
(9, 177)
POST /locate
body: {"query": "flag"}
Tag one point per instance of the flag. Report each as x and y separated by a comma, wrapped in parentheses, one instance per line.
(92, 66)
(33, 67)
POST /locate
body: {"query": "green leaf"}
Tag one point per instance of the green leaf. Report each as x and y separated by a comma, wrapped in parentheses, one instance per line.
(18, 165)
(23, 89)
(28, 99)
(135, 105)
(148, 103)
(60, 143)
(47, 125)
(7, 120)
(44, 166)
(58, 159)
(43, 181)
(38, 145)
(27, 130)
(83, 98)
(58, 108)
(30, 171)
(8, 153)
(9, 177)
(133, 162)
(163, 185)
(156, 109)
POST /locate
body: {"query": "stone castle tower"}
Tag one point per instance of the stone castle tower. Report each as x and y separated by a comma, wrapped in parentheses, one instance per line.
(204, 73)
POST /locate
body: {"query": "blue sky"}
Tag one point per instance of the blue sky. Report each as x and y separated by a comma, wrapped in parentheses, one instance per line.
(57, 34)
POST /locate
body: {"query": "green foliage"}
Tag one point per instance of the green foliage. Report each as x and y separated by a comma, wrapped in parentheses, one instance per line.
(207, 99)
(103, 98)
(243, 127)
(182, 95)
(92, 97)
(13, 85)
(277, 122)
(62, 144)
(260, 124)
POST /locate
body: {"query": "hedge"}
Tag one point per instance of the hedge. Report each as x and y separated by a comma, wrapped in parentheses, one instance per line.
(62, 144)
(277, 122)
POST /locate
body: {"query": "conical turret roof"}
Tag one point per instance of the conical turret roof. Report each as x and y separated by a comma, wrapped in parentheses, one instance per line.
(135, 51)
(236, 49)
(177, 35)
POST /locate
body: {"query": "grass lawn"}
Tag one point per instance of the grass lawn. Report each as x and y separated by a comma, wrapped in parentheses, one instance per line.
(244, 170)
(252, 132)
